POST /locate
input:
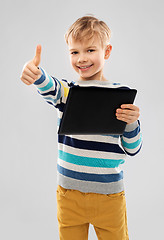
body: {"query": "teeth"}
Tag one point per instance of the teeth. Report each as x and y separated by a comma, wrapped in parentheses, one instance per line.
(86, 66)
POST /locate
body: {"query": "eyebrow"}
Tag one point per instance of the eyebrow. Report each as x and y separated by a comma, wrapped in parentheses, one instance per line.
(86, 48)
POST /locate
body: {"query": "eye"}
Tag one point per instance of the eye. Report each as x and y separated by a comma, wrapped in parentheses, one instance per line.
(73, 52)
(91, 50)
(88, 50)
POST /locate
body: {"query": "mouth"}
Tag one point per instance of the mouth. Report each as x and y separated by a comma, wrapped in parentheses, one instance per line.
(84, 68)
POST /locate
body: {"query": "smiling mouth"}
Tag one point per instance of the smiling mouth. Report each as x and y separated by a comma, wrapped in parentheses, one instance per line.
(84, 67)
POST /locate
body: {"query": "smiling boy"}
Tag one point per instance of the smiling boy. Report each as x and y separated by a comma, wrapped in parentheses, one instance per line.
(90, 180)
(88, 54)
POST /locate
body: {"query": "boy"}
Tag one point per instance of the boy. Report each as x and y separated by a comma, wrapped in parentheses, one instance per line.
(90, 181)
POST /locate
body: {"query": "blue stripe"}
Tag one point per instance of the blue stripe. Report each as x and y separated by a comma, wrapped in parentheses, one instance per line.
(116, 83)
(88, 161)
(90, 145)
(41, 79)
(51, 99)
(115, 136)
(132, 145)
(132, 134)
(65, 80)
(50, 103)
(106, 178)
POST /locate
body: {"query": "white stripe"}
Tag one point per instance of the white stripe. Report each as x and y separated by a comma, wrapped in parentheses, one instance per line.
(95, 138)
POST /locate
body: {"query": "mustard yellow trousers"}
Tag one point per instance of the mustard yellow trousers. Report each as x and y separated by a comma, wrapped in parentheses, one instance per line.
(106, 212)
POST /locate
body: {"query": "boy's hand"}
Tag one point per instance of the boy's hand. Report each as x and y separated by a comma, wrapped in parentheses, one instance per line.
(128, 113)
(31, 72)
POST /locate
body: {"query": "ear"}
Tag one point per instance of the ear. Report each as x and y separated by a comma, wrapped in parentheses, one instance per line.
(108, 51)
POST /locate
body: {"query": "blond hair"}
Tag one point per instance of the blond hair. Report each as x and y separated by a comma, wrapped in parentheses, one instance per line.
(88, 26)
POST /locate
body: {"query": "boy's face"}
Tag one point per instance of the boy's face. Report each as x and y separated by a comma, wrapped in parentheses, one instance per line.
(91, 55)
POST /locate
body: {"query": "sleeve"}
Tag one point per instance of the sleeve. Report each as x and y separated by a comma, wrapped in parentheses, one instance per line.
(131, 139)
(53, 91)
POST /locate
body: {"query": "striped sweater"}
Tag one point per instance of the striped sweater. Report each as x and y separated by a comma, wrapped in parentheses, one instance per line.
(89, 163)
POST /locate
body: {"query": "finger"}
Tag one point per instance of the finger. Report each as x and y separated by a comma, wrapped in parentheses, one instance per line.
(127, 112)
(27, 79)
(129, 106)
(126, 118)
(37, 58)
(33, 68)
(29, 73)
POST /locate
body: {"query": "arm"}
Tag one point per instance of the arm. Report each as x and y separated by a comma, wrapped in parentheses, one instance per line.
(131, 140)
(50, 88)
(54, 91)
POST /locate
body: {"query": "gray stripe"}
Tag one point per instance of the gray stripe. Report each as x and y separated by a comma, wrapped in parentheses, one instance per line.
(85, 186)
(132, 126)
(93, 82)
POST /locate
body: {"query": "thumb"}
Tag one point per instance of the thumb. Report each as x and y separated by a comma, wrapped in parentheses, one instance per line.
(37, 58)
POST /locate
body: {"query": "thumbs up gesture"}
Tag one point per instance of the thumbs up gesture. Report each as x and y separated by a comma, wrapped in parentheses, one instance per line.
(31, 72)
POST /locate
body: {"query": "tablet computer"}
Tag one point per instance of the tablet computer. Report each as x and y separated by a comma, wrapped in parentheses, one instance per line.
(92, 110)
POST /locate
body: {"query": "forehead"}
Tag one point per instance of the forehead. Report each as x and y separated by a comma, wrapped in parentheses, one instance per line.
(73, 43)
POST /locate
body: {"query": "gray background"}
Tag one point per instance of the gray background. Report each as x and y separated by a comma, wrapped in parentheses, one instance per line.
(28, 125)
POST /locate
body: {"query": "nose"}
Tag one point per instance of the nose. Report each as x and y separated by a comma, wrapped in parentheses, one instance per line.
(82, 58)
